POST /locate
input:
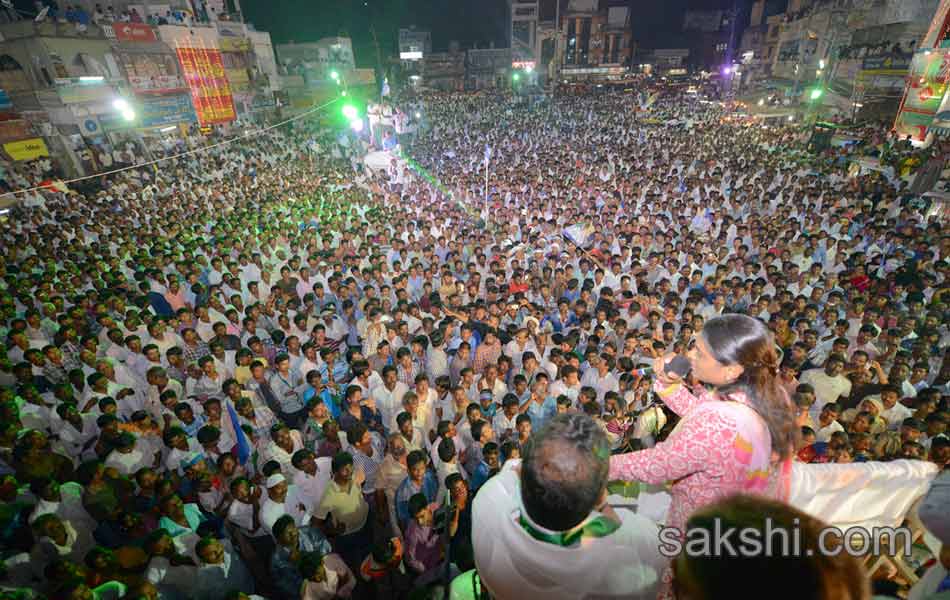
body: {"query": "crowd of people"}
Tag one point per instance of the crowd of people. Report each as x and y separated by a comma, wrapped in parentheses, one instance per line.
(264, 369)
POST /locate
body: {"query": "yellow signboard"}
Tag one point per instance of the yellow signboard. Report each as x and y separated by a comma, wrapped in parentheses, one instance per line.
(26, 149)
(235, 44)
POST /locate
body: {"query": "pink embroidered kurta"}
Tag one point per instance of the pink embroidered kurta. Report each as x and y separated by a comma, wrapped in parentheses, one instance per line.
(719, 448)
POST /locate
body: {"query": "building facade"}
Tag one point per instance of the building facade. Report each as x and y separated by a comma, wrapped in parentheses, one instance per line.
(859, 51)
(709, 33)
(92, 82)
(414, 44)
(445, 70)
(487, 68)
(523, 32)
(598, 40)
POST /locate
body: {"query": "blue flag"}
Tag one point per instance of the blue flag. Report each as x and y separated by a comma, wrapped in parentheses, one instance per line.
(242, 445)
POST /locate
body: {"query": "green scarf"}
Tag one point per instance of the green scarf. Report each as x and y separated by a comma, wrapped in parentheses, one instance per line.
(597, 527)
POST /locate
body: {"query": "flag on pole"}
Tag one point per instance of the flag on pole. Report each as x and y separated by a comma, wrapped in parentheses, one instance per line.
(241, 444)
(645, 104)
(578, 233)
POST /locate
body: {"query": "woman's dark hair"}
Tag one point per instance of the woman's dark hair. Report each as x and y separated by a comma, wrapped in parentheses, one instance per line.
(564, 470)
(811, 572)
(740, 340)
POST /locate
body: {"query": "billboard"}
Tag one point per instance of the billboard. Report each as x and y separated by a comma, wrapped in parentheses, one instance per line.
(133, 32)
(234, 44)
(157, 111)
(203, 71)
(151, 73)
(886, 63)
(152, 111)
(77, 92)
(26, 149)
(582, 5)
(926, 87)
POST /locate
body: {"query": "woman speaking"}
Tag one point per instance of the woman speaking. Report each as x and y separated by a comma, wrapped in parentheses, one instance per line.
(730, 440)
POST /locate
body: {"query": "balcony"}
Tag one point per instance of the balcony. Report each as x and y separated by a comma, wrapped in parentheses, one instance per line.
(30, 28)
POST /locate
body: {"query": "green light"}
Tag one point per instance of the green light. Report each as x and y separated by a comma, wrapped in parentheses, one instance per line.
(816, 93)
(516, 76)
(350, 112)
(335, 76)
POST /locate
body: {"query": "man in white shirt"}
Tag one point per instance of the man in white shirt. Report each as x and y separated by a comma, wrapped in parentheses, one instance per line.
(568, 385)
(282, 499)
(600, 377)
(894, 412)
(388, 397)
(829, 383)
(437, 363)
(126, 457)
(828, 422)
(310, 476)
(531, 542)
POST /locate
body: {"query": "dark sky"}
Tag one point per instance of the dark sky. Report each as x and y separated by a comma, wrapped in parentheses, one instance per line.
(655, 23)
(468, 21)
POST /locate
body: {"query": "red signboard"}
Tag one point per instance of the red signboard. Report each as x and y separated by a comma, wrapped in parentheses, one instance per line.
(204, 74)
(133, 32)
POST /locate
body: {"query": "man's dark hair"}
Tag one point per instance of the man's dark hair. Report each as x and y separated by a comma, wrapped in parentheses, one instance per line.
(415, 457)
(341, 460)
(355, 434)
(417, 503)
(281, 525)
(564, 470)
(446, 450)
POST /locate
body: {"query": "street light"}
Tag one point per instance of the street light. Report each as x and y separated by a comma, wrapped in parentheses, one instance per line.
(124, 108)
(516, 76)
(335, 76)
(816, 93)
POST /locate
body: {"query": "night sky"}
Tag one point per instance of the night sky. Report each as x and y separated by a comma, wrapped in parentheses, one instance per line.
(471, 22)
(656, 23)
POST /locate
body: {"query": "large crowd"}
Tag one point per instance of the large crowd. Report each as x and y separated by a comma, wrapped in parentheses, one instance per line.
(265, 369)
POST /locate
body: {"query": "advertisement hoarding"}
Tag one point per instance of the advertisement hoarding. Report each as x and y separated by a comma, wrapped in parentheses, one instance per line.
(26, 149)
(133, 32)
(926, 86)
(151, 73)
(203, 71)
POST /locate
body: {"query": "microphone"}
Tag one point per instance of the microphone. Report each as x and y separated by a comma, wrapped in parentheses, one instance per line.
(679, 366)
